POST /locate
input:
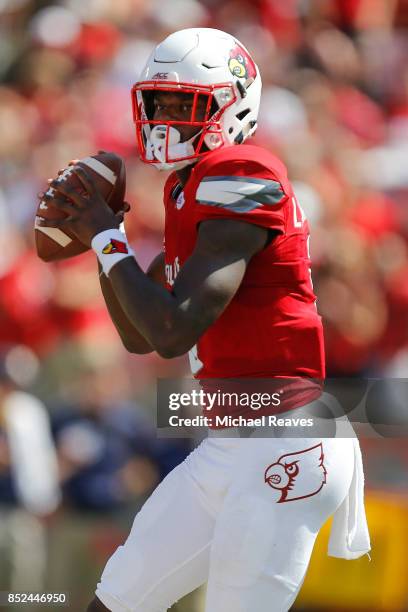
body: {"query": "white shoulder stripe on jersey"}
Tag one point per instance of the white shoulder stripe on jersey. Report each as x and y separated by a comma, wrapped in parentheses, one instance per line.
(54, 233)
(100, 169)
(239, 193)
(225, 192)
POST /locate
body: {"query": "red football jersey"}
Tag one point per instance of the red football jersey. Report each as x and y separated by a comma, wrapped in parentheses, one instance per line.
(271, 327)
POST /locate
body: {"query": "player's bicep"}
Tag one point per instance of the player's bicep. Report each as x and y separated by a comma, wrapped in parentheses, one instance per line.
(212, 275)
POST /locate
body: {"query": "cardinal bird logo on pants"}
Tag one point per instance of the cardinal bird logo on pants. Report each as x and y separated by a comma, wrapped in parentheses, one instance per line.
(298, 475)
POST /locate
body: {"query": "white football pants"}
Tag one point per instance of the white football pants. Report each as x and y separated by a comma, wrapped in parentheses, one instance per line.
(241, 514)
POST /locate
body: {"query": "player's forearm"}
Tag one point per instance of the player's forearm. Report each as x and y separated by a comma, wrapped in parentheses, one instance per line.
(132, 340)
(172, 322)
(152, 310)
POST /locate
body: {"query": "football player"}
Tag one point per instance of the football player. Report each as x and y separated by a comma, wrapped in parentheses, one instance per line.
(232, 288)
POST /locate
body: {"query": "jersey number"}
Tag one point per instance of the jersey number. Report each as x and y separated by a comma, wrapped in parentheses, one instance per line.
(299, 218)
(298, 213)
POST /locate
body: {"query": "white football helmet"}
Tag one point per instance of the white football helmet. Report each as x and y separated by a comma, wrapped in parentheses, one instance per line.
(201, 62)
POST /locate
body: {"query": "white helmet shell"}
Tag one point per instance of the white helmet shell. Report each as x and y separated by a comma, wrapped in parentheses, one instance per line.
(208, 61)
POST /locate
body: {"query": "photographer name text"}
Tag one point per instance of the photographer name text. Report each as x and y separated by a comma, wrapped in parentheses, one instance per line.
(238, 421)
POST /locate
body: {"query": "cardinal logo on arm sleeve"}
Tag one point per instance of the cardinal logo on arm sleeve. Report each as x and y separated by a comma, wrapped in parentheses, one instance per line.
(115, 246)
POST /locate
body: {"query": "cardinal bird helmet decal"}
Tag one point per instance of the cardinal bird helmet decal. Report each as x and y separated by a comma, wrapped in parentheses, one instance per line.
(298, 475)
(241, 64)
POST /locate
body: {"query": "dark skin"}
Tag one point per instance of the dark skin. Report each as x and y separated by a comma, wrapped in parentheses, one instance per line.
(170, 323)
(146, 315)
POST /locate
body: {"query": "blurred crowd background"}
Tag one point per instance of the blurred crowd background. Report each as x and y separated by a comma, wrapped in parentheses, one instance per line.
(78, 451)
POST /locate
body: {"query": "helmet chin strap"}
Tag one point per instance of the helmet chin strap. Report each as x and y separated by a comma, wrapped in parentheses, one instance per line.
(156, 147)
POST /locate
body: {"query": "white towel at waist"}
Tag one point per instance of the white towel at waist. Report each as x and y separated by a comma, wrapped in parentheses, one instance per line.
(349, 536)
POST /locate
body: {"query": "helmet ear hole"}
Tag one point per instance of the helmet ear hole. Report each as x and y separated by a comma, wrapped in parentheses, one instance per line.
(243, 114)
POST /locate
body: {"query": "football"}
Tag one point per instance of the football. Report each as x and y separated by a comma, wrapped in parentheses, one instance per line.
(109, 174)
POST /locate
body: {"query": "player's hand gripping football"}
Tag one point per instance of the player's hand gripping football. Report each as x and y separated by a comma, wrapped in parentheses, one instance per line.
(87, 213)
